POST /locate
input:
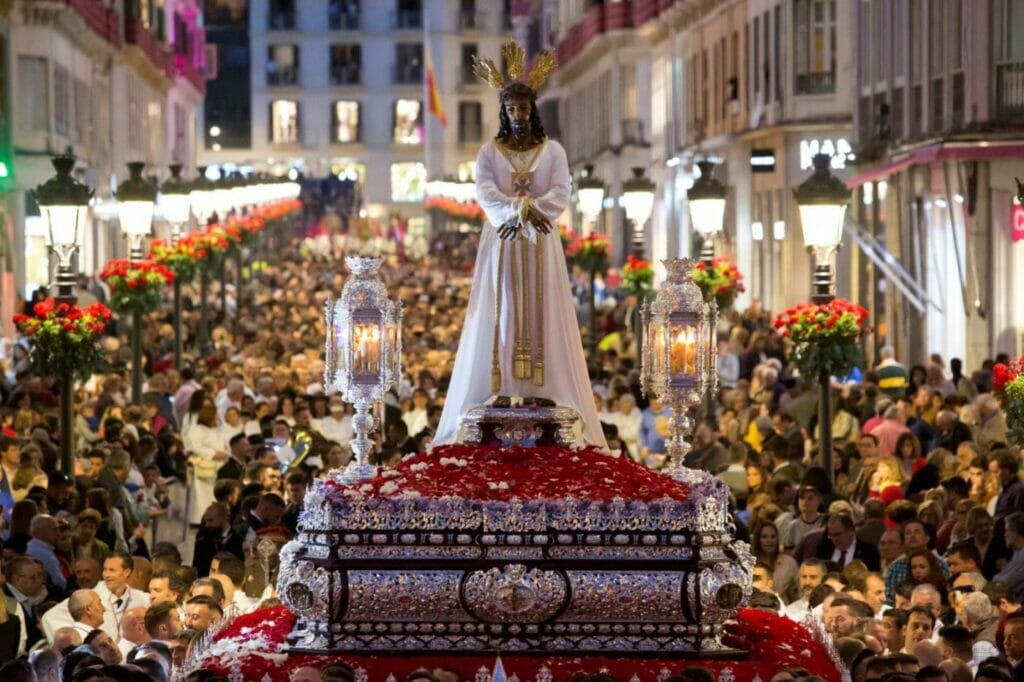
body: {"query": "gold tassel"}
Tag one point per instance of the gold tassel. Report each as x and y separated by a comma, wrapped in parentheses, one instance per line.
(527, 341)
(538, 365)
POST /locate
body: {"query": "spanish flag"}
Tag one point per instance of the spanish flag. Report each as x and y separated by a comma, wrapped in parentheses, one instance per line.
(433, 94)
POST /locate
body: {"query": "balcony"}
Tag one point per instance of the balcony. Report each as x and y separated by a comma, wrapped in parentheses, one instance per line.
(407, 74)
(406, 20)
(343, 15)
(281, 20)
(135, 33)
(184, 69)
(346, 74)
(1010, 90)
(283, 75)
(815, 83)
(103, 21)
(472, 20)
(633, 132)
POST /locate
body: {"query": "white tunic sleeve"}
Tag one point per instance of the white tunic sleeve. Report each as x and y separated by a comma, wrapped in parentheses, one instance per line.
(498, 206)
(556, 198)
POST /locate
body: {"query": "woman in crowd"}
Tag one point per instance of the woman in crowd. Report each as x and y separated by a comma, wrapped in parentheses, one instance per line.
(764, 538)
(206, 449)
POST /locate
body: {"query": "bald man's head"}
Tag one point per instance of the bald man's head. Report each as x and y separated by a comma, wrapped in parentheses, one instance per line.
(133, 625)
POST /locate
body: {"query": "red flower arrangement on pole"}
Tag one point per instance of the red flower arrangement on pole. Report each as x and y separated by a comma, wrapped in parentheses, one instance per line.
(721, 280)
(468, 211)
(181, 258)
(135, 286)
(64, 338)
(1008, 380)
(590, 252)
(825, 336)
(638, 276)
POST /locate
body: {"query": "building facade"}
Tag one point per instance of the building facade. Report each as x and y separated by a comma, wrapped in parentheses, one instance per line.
(111, 85)
(338, 91)
(940, 124)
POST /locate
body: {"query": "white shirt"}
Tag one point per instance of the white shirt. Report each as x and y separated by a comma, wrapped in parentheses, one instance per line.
(60, 617)
(244, 602)
(797, 610)
(112, 609)
(337, 430)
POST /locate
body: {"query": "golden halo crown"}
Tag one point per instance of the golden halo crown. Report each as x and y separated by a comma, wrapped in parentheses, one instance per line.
(515, 61)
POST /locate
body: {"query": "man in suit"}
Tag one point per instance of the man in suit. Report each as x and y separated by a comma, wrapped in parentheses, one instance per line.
(241, 450)
(267, 512)
(782, 466)
(113, 477)
(215, 536)
(839, 544)
(1013, 644)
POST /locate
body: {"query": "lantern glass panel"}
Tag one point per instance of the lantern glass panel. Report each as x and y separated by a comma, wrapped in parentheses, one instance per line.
(707, 216)
(591, 201)
(175, 208)
(136, 217)
(822, 224)
(366, 346)
(65, 224)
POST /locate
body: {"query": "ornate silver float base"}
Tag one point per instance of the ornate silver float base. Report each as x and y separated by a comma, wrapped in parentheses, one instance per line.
(522, 426)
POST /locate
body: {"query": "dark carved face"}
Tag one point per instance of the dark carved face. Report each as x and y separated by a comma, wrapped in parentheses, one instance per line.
(518, 112)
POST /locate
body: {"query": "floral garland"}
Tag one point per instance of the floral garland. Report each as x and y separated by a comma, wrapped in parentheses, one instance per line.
(637, 276)
(499, 473)
(250, 648)
(590, 252)
(1008, 379)
(135, 286)
(181, 258)
(469, 211)
(721, 281)
(278, 210)
(214, 243)
(825, 336)
(64, 338)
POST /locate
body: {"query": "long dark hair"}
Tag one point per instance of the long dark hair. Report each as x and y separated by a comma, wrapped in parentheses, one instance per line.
(519, 91)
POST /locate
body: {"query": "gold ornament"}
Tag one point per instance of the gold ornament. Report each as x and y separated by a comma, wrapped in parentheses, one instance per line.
(515, 61)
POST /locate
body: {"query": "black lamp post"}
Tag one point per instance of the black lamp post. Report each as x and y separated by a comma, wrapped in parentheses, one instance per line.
(135, 200)
(64, 203)
(706, 200)
(177, 208)
(823, 199)
(203, 199)
(590, 193)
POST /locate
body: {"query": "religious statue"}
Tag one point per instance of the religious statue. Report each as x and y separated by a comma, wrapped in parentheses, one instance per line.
(520, 337)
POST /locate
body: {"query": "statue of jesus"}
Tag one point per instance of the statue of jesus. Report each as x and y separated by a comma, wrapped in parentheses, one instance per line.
(520, 336)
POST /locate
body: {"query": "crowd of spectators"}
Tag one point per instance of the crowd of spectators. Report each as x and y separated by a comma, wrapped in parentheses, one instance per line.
(912, 560)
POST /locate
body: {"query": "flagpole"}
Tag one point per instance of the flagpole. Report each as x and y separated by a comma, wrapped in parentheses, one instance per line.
(427, 122)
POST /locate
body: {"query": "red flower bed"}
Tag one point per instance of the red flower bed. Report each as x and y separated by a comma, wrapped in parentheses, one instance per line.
(253, 644)
(505, 473)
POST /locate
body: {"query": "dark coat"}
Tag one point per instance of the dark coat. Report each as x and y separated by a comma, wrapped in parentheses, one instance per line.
(209, 544)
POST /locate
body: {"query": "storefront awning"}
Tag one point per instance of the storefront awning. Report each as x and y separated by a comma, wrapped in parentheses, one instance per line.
(944, 151)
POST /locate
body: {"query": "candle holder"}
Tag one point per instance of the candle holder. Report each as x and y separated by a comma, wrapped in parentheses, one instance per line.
(679, 353)
(363, 354)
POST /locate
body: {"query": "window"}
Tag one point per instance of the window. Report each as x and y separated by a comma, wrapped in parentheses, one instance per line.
(937, 39)
(466, 171)
(408, 14)
(346, 121)
(61, 100)
(346, 64)
(408, 63)
(343, 15)
(408, 181)
(815, 28)
(470, 127)
(282, 65)
(468, 17)
(916, 40)
(282, 15)
(83, 112)
(468, 51)
(284, 121)
(408, 122)
(33, 86)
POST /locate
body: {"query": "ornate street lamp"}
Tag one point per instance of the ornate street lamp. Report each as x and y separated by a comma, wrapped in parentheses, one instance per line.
(363, 353)
(204, 205)
(64, 203)
(177, 207)
(135, 200)
(679, 353)
(590, 192)
(823, 199)
(638, 200)
(706, 200)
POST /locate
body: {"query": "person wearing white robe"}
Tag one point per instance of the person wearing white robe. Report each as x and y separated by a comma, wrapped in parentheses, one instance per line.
(566, 381)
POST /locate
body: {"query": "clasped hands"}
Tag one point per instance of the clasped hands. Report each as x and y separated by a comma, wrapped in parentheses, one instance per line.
(512, 228)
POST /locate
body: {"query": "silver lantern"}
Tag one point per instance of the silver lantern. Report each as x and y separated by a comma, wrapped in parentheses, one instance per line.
(363, 353)
(679, 353)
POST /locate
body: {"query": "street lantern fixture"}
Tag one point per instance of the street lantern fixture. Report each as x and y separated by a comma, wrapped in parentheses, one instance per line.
(203, 198)
(706, 200)
(638, 200)
(822, 199)
(590, 191)
(64, 203)
(135, 200)
(176, 202)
